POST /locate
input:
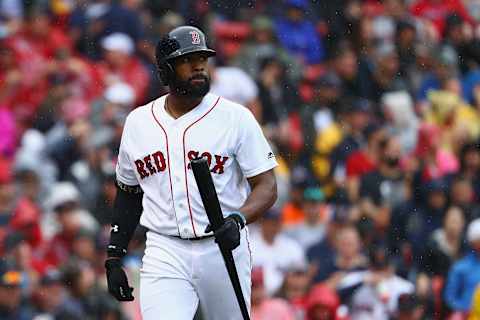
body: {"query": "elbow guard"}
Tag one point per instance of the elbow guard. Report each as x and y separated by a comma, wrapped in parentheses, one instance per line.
(126, 216)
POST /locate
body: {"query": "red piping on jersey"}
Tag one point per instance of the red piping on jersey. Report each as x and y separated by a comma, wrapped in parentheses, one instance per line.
(185, 163)
(168, 163)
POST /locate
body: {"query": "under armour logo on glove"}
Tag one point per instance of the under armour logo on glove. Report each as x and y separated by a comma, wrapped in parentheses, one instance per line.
(114, 228)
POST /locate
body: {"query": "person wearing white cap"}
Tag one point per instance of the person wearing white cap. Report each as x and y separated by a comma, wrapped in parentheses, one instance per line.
(120, 65)
(120, 93)
(464, 276)
(118, 99)
(65, 198)
(118, 42)
(269, 246)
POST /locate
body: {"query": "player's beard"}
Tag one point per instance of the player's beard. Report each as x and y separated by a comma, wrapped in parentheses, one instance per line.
(189, 89)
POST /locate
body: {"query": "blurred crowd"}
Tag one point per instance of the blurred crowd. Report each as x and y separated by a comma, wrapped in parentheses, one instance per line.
(372, 107)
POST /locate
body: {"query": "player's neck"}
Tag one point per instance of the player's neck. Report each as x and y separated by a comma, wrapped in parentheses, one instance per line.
(177, 106)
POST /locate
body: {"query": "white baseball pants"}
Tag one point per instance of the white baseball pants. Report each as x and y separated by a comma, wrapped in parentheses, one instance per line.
(178, 274)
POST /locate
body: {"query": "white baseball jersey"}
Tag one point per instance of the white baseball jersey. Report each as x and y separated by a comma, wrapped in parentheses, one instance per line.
(155, 151)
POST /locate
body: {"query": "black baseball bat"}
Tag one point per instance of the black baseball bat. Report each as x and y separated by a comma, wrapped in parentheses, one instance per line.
(201, 171)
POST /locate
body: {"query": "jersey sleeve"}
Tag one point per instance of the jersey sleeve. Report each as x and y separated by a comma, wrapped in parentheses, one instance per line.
(125, 172)
(253, 153)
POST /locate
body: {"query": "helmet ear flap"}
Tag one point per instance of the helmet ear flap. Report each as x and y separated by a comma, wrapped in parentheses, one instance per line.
(165, 72)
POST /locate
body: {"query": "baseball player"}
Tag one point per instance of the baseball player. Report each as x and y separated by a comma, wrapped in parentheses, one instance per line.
(182, 266)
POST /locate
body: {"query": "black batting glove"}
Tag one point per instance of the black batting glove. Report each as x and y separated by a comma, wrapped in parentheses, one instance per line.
(117, 280)
(228, 234)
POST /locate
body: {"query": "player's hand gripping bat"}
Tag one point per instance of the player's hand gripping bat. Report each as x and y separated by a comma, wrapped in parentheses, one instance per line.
(209, 197)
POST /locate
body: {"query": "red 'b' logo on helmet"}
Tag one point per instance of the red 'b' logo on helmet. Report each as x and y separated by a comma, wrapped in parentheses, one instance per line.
(195, 37)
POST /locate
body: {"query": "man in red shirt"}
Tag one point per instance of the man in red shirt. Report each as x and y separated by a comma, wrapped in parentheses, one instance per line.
(364, 160)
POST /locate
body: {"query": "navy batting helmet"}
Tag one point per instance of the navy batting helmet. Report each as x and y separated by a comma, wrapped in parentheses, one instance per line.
(179, 42)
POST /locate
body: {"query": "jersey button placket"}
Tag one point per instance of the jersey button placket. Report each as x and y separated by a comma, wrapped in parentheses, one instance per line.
(179, 185)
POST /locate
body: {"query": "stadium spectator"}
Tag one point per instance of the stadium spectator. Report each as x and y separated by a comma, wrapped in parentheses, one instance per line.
(432, 160)
(469, 159)
(354, 118)
(443, 66)
(8, 203)
(455, 119)
(459, 38)
(323, 304)
(384, 75)
(84, 247)
(385, 187)
(297, 34)
(92, 21)
(75, 72)
(312, 229)
(268, 249)
(446, 245)
(48, 296)
(40, 34)
(11, 307)
(463, 277)
(295, 287)
(321, 130)
(409, 308)
(235, 84)
(84, 298)
(364, 160)
(25, 259)
(436, 11)
(402, 122)
(405, 41)
(64, 203)
(263, 307)
(103, 205)
(292, 211)
(318, 115)
(278, 99)
(32, 151)
(10, 76)
(65, 141)
(120, 65)
(346, 257)
(345, 64)
(374, 294)
(413, 221)
(263, 44)
(11, 17)
(462, 195)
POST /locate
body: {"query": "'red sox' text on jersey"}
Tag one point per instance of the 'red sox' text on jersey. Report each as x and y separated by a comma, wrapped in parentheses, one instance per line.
(156, 150)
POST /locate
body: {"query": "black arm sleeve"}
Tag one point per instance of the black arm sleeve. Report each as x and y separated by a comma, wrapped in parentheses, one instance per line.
(127, 209)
